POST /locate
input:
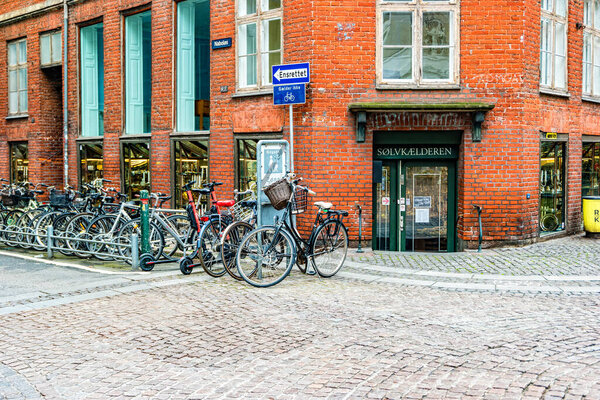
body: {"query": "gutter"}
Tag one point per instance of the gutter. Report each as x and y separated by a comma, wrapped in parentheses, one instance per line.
(65, 95)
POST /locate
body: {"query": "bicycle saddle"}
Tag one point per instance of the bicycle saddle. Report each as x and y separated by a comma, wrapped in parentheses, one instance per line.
(201, 191)
(248, 203)
(225, 203)
(323, 205)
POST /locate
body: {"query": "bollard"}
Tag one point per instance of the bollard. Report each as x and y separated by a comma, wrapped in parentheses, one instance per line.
(50, 241)
(145, 221)
(359, 249)
(479, 208)
(135, 253)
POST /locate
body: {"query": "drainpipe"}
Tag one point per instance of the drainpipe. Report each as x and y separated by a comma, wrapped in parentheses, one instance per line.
(65, 99)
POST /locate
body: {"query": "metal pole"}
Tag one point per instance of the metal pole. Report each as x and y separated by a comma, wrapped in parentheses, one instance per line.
(135, 253)
(359, 250)
(292, 138)
(65, 94)
(145, 221)
(50, 241)
(479, 208)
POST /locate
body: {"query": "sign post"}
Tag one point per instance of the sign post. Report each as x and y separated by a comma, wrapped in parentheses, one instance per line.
(289, 88)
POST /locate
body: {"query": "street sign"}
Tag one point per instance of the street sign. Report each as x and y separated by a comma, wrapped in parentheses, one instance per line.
(289, 94)
(291, 73)
(221, 43)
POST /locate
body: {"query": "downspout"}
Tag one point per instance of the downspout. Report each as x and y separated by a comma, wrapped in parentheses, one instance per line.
(65, 99)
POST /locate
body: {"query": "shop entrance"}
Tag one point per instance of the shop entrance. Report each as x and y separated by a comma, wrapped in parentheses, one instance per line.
(415, 205)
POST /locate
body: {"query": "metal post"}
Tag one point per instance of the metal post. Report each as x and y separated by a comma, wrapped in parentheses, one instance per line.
(145, 221)
(479, 208)
(292, 138)
(50, 241)
(135, 253)
(359, 249)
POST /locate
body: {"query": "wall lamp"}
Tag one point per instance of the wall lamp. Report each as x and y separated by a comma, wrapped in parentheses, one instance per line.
(478, 118)
(361, 126)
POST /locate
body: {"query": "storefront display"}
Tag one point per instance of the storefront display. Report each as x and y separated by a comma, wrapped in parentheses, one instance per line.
(590, 169)
(91, 162)
(246, 168)
(136, 167)
(552, 184)
(19, 162)
(191, 164)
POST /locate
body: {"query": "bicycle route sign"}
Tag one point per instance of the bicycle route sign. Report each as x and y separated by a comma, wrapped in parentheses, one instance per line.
(289, 94)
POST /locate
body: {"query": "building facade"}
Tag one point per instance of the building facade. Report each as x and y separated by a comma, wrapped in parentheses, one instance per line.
(417, 111)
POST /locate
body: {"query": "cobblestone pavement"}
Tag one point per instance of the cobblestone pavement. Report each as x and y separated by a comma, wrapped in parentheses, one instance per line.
(573, 255)
(305, 338)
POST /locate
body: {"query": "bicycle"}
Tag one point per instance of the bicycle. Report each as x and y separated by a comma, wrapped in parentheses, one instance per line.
(267, 254)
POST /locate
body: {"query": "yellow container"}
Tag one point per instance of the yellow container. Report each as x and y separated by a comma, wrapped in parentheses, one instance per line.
(591, 214)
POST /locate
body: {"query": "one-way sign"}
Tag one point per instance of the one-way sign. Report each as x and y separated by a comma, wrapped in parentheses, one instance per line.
(291, 73)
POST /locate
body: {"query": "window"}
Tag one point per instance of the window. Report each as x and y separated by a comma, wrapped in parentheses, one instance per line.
(50, 49)
(136, 167)
(19, 162)
(246, 164)
(191, 164)
(90, 162)
(17, 77)
(92, 80)
(259, 42)
(591, 48)
(553, 43)
(193, 65)
(138, 65)
(418, 43)
(552, 185)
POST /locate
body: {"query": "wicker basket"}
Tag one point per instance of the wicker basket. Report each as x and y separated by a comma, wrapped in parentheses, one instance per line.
(9, 200)
(279, 193)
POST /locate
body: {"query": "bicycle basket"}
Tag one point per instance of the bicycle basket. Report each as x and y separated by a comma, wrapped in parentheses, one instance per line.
(9, 200)
(279, 193)
(241, 212)
(59, 199)
(300, 201)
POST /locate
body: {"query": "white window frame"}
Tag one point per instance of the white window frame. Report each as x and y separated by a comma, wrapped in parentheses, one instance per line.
(54, 48)
(591, 30)
(18, 67)
(553, 19)
(417, 7)
(258, 18)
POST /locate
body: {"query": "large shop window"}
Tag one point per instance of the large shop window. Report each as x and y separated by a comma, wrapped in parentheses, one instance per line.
(191, 164)
(136, 167)
(90, 162)
(193, 65)
(19, 162)
(590, 170)
(92, 80)
(138, 66)
(553, 43)
(246, 164)
(591, 48)
(259, 41)
(418, 43)
(552, 186)
(17, 77)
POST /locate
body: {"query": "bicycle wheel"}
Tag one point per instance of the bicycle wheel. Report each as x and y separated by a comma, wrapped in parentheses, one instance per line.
(60, 224)
(157, 241)
(41, 226)
(209, 248)
(103, 229)
(329, 248)
(181, 225)
(13, 237)
(232, 236)
(264, 259)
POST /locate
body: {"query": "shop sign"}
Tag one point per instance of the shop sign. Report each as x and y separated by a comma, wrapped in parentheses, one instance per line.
(551, 135)
(409, 152)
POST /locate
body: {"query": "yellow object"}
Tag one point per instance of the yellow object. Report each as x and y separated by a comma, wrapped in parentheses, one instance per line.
(591, 214)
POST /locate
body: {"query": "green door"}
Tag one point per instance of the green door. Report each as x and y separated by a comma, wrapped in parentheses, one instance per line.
(428, 206)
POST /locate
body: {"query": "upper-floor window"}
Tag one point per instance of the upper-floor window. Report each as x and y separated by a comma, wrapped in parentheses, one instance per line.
(553, 45)
(591, 48)
(259, 42)
(193, 65)
(50, 49)
(92, 80)
(138, 68)
(418, 43)
(17, 77)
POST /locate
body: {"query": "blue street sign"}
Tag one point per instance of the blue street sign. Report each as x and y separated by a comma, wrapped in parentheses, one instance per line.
(221, 43)
(291, 73)
(289, 94)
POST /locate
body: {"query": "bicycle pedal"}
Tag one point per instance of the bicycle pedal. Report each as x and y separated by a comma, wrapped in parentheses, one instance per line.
(311, 272)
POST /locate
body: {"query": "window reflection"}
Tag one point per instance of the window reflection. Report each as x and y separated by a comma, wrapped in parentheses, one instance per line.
(136, 168)
(91, 159)
(552, 184)
(19, 162)
(191, 164)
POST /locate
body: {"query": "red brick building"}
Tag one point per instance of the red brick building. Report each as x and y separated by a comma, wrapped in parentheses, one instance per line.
(416, 110)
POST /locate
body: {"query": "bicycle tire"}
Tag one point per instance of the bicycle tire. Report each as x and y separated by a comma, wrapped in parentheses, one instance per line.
(329, 248)
(100, 229)
(13, 237)
(232, 236)
(182, 225)
(157, 241)
(77, 227)
(41, 226)
(209, 248)
(261, 254)
(59, 224)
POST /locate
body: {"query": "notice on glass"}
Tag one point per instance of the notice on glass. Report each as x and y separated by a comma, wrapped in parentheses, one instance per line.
(421, 215)
(422, 202)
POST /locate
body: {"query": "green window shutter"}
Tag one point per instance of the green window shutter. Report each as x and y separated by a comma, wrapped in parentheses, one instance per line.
(185, 66)
(134, 90)
(89, 82)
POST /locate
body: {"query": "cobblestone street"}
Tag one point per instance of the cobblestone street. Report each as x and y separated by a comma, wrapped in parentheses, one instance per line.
(201, 338)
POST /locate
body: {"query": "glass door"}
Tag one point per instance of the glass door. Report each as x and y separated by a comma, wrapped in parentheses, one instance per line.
(427, 206)
(386, 209)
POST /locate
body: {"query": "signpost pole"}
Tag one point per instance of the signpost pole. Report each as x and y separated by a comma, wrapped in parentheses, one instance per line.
(291, 138)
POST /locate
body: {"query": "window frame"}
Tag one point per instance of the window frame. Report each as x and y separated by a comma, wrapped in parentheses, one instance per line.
(98, 141)
(417, 8)
(12, 161)
(50, 35)
(136, 140)
(186, 138)
(553, 18)
(563, 140)
(17, 67)
(592, 30)
(258, 18)
(236, 150)
(80, 60)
